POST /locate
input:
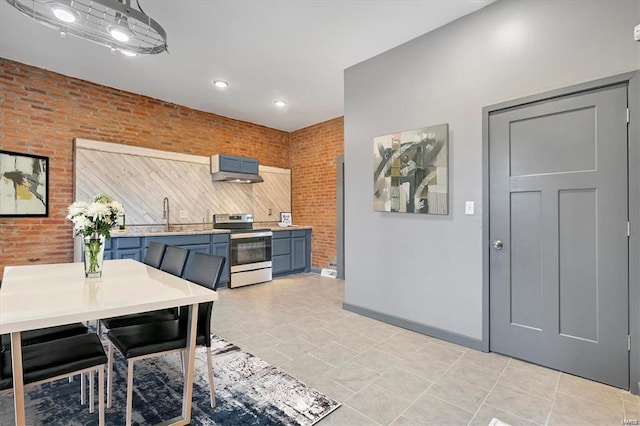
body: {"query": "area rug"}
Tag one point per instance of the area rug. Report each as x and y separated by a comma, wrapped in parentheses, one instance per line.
(249, 391)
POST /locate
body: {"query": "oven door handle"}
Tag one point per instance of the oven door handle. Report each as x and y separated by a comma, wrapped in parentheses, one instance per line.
(251, 235)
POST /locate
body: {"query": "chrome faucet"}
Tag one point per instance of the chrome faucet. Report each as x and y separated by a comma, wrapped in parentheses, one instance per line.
(165, 211)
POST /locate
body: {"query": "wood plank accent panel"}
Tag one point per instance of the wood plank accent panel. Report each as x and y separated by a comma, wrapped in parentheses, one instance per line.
(142, 178)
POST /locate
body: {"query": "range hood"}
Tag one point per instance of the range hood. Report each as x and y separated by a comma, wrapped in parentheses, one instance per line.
(236, 177)
(230, 168)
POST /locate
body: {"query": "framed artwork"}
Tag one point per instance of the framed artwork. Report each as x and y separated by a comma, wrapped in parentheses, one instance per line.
(24, 185)
(285, 218)
(410, 171)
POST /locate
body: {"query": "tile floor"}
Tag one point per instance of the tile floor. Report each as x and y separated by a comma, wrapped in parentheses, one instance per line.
(385, 375)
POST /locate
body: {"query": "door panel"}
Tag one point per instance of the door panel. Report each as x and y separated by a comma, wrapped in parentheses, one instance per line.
(533, 139)
(578, 260)
(558, 202)
(526, 282)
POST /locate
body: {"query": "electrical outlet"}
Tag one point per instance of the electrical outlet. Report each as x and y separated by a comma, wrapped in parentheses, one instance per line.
(184, 214)
(270, 212)
(469, 208)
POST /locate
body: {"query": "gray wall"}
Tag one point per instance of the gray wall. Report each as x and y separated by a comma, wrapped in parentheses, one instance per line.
(428, 269)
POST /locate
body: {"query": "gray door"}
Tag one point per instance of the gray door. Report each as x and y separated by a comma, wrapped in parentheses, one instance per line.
(558, 204)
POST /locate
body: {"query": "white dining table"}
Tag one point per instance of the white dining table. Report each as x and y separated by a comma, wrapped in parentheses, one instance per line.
(46, 295)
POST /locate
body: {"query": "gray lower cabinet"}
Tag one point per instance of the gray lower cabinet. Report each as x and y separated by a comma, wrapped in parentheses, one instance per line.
(136, 247)
(107, 250)
(221, 248)
(291, 251)
(124, 248)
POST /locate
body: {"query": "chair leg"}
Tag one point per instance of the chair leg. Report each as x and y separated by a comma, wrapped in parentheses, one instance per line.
(109, 375)
(101, 396)
(99, 327)
(129, 392)
(83, 385)
(212, 392)
(91, 402)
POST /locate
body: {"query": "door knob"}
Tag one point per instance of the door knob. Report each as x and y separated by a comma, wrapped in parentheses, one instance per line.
(497, 244)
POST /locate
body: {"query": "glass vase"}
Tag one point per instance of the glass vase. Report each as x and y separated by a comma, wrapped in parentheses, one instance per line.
(93, 255)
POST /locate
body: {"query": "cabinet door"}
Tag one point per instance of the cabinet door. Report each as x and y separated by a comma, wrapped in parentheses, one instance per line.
(221, 248)
(129, 254)
(280, 246)
(249, 165)
(126, 248)
(281, 264)
(202, 248)
(229, 163)
(298, 253)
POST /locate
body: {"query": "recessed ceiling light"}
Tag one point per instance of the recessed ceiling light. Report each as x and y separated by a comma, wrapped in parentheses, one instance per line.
(221, 84)
(62, 12)
(280, 103)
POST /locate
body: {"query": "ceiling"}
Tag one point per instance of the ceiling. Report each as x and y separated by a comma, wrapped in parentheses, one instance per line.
(266, 50)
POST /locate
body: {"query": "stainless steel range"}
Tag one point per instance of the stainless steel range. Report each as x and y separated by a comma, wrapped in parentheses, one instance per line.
(250, 251)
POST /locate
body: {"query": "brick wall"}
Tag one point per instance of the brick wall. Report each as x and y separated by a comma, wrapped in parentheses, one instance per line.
(313, 189)
(41, 112)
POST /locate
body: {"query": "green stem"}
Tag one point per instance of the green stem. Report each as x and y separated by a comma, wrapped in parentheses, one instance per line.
(93, 248)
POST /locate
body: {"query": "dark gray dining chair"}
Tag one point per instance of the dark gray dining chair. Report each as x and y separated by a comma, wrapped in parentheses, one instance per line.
(56, 359)
(155, 254)
(173, 261)
(47, 334)
(154, 339)
(41, 335)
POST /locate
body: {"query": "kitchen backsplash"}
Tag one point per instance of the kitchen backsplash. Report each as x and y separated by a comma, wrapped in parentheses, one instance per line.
(140, 178)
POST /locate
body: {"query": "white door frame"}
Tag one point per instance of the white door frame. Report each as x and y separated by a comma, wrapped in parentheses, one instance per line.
(633, 81)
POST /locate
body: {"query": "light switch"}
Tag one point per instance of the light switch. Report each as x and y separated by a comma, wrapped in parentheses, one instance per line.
(469, 207)
(184, 214)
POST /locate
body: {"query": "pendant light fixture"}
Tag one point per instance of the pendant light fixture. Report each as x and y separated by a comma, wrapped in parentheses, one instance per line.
(111, 23)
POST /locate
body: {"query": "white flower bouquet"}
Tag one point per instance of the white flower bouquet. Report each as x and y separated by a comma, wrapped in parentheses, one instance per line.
(94, 220)
(97, 216)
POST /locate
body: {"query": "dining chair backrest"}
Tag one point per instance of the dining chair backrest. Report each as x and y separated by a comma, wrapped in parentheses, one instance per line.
(205, 270)
(174, 260)
(155, 253)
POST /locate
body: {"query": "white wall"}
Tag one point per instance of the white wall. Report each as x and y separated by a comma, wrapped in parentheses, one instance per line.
(428, 269)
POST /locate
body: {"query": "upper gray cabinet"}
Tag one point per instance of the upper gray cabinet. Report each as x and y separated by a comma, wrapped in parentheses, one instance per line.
(229, 168)
(231, 163)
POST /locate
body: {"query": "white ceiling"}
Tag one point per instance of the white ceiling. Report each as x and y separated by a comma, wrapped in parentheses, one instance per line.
(296, 50)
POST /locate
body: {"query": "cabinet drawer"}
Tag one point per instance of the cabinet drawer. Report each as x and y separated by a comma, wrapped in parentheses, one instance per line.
(299, 233)
(181, 240)
(220, 238)
(281, 246)
(128, 242)
(281, 234)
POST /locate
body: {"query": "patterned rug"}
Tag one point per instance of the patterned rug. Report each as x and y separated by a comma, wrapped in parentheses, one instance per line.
(249, 391)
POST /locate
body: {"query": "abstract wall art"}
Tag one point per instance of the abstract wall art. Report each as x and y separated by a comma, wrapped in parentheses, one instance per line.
(24, 185)
(411, 171)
